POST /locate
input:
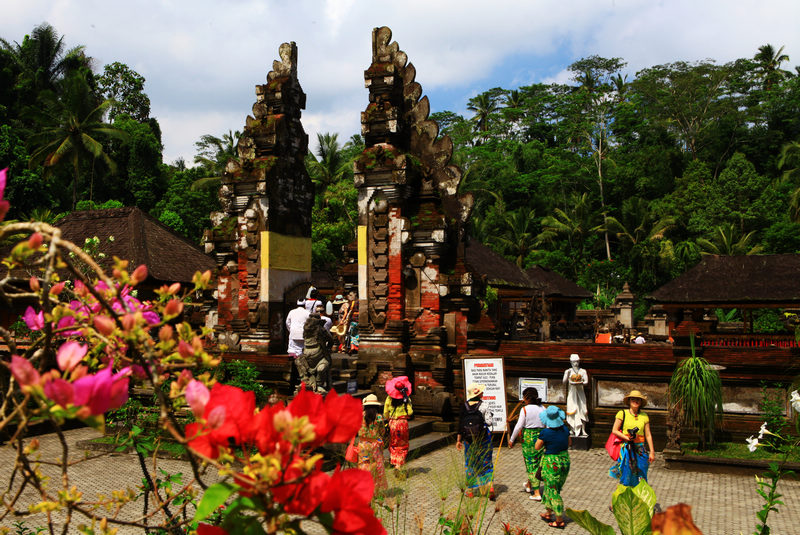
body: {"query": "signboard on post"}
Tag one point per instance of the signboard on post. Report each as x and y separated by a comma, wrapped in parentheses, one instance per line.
(538, 383)
(489, 371)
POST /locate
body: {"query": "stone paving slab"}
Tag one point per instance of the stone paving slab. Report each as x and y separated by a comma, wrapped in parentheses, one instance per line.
(721, 504)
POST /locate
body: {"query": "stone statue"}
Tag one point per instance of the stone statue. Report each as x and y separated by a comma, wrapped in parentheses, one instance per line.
(314, 364)
(575, 378)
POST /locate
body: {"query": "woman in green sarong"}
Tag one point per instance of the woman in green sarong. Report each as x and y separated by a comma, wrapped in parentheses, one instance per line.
(529, 425)
(554, 439)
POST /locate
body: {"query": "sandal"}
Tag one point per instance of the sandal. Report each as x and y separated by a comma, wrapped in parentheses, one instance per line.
(547, 517)
(557, 524)
(536, 498)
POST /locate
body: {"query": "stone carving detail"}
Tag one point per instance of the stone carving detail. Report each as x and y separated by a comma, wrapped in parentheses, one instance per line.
(266, 189)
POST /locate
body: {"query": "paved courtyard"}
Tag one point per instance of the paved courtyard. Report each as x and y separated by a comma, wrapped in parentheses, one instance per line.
(721, 504)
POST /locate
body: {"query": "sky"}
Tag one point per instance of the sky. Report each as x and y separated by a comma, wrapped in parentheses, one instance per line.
(202, 59)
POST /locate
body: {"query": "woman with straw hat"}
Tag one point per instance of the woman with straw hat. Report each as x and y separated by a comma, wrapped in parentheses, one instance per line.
(397, 410)
(633, 427)
(475, 436)
(554, 439)
(370, 442)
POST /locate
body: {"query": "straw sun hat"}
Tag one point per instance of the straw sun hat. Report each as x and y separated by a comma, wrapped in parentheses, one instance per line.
(635, 394)
(371, 399)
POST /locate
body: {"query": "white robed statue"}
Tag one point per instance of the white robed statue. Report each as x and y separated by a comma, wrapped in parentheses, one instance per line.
(575, 378)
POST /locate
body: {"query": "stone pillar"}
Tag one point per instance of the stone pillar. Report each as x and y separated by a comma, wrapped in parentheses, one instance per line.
(262, 235)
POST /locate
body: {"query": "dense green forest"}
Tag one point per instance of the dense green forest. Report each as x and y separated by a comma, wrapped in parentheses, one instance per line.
(606, 179)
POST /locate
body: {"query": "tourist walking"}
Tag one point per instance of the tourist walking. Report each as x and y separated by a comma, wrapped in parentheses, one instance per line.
(370, 441)
(397, 410)
(529, 425)
(554, 439)
(633, 427)
(475, 436)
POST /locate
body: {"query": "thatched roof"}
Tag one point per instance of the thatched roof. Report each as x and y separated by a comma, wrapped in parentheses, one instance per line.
(554, 284)
(500, 272)
(139, 238)
(736, 280)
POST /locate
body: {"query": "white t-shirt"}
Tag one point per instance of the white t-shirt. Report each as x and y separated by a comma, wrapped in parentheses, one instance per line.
(528, 419)
(295, 320)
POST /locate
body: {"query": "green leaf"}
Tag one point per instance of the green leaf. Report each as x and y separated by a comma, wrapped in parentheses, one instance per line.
(585, 520)
(643, 491)
(632, 514)
(214, 496)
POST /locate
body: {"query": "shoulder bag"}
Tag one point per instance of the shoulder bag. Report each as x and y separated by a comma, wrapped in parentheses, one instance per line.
(614, 443)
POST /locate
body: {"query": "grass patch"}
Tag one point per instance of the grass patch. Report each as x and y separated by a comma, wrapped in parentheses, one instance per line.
(165, 446)
(736, 450)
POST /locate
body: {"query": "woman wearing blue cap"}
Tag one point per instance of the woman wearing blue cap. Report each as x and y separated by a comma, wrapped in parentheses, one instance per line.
(555, 439)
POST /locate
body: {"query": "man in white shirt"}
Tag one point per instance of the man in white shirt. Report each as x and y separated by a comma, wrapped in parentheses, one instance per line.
(639, 339)
(295, 320)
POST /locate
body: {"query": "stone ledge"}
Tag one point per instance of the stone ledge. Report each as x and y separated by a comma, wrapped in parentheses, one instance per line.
(720, 465)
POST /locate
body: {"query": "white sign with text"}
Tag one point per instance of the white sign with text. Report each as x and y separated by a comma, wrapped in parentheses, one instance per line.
(489, 372)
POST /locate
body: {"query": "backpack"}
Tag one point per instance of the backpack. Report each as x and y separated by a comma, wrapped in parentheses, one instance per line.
(473, 426)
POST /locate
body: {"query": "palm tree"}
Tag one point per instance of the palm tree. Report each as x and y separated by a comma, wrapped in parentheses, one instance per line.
(332, 164)
(214, 153)
(517, 234)
(769, 64)
(71, 128)
(728, 241)
(44, 59)
(639, 223)
(485, 106)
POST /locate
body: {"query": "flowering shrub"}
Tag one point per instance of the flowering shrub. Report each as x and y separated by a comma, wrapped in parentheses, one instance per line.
(92, 339)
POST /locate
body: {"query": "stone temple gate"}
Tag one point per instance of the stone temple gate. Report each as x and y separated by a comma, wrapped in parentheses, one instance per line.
(414, 291)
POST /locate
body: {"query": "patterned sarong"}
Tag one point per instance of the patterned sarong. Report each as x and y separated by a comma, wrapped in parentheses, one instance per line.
(532, 456)
(370, 458)
(398, 441)
(555, 468)
(478, 461)
(632, 464)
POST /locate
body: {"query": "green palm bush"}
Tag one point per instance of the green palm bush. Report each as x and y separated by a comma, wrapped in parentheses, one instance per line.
(696, 389)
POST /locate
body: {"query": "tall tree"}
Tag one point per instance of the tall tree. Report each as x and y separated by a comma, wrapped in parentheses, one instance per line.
(330, 164)
(485, 107)
(125, 88)
(72, 129)
(598, 97)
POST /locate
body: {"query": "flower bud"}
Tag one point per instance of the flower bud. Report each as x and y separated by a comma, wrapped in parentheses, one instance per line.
(34, 284)
(185, 350)
(128, 322)
(174, 288)
(165, 333)
(57, 288)
(174, 307)
(35, 241)
(139, 274)
(197, 396)
(103, 324)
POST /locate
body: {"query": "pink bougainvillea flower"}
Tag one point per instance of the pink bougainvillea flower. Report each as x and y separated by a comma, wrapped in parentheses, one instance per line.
(24, 373)
(60, 391)
(151, 317)
(4, 205)
(34, 320)
(102, 391)
(197, 395)
(70, 354)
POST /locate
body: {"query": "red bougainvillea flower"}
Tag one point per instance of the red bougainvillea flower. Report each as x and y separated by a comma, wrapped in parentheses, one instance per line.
(348, 497)
(336, 419)
(70, 354)
(4, 205)
(232, 410)
(34, 320)
(205, 529)
(24, 373)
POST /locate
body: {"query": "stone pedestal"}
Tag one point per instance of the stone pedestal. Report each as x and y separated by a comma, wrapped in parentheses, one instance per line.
(581, 443)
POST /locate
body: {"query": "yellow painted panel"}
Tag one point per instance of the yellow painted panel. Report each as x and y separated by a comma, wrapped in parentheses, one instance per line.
(362, 245)
(291, 253)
